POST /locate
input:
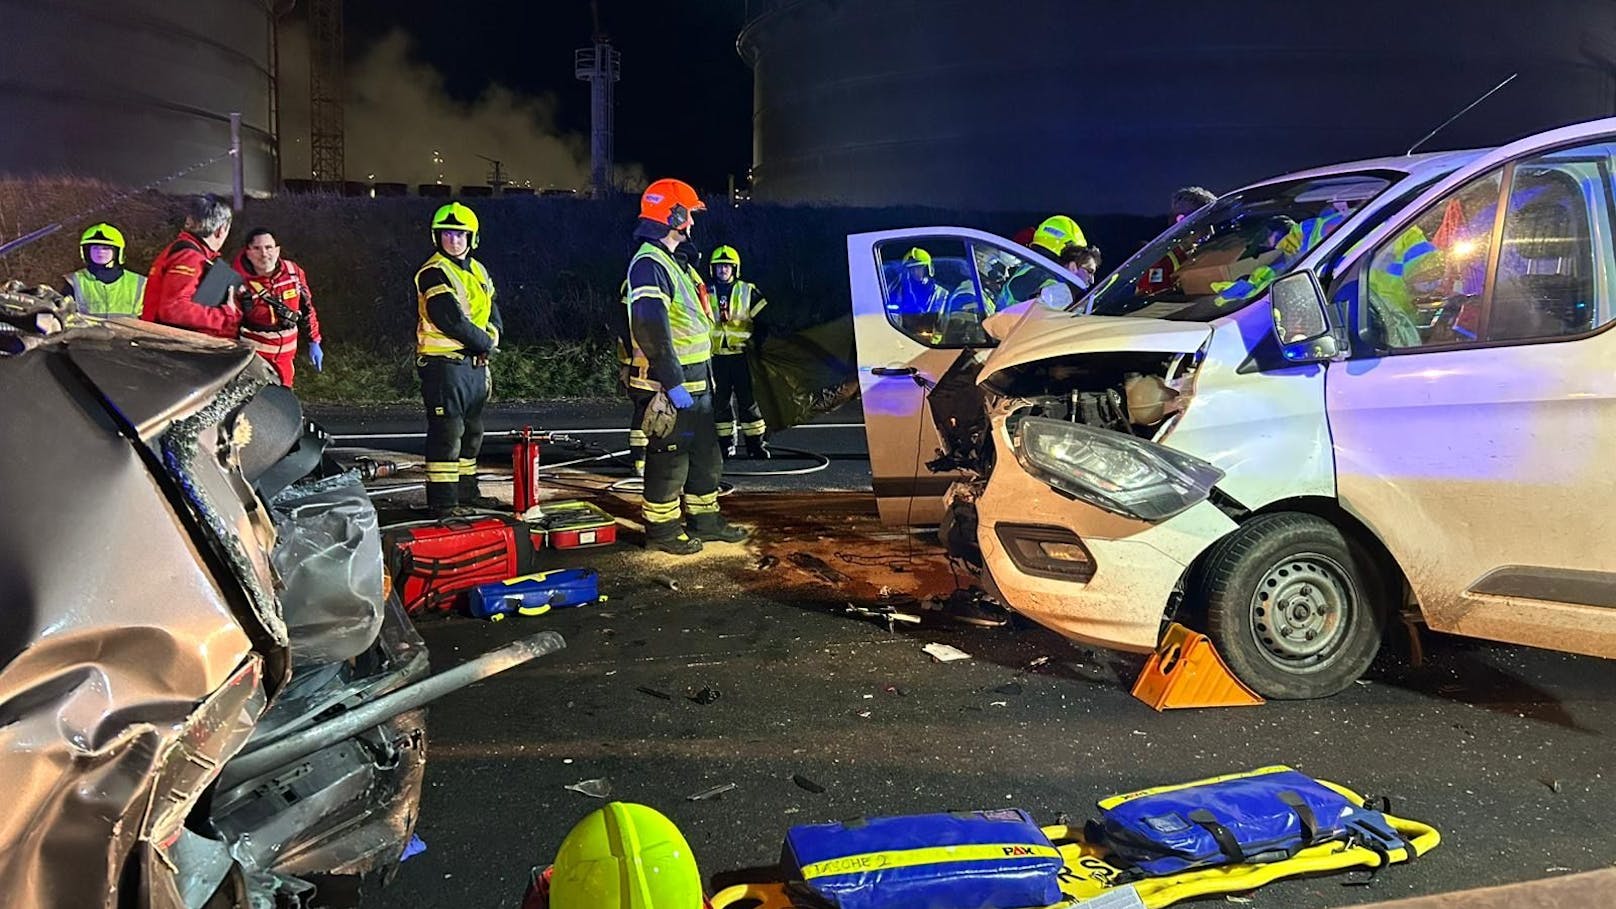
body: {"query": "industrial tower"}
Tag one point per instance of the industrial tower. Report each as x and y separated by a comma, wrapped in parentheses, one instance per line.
(601, 67)
(325, 91)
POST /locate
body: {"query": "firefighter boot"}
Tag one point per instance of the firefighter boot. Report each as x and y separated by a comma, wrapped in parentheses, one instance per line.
(757, 449)
(470, 495)
(712, 526)
(667, 536)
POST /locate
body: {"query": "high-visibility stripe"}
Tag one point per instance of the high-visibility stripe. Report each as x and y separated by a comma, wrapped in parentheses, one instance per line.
(755, 428)
(701, 504)
(442, 471)
(468, 466)
(661, 512)
(640, 293)
(689, 323)
(1108, 803)
(929, 855)
(694, 386)
(472, 289)
(638, 438)
(726, 428)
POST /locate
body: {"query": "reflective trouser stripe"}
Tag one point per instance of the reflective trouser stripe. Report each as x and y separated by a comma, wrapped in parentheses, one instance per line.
(695, 386)
(442, 471)
(701, 504)
(725, 429)
(661, 512)
(468, 467)
(638, 439)
(754, 428)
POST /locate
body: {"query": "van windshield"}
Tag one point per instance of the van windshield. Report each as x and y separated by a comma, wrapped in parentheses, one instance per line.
(1225, 255)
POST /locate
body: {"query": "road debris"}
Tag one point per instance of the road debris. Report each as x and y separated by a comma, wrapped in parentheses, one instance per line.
(1554, 785)
(805, 783)
(413, 848)
(815, 565)
(665, 581)
(595, 789)
(1010, 688)
(704, 697)
(894, 689)
(885, 614)
(660, 695)
(1041, 661)
(999, 704)
(765, 563)
(712, 793)
(944, 653)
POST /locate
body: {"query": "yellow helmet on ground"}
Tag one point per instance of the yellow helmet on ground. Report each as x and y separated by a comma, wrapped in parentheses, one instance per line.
(455, 216)
(625, 856)
(102, 234)
(727, 255)
(1056, 233)
(918, 256)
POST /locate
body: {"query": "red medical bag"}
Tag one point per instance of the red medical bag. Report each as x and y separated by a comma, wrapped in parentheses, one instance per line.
(434, 563)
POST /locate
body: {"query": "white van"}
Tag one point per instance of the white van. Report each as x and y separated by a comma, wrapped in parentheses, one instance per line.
(1321, 399)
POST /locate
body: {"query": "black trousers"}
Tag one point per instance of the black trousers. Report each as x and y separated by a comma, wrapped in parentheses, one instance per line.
(454, 392)
(686, 463)
(732, 377)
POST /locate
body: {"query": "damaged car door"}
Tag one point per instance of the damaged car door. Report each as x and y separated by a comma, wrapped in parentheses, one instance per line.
(921, 301)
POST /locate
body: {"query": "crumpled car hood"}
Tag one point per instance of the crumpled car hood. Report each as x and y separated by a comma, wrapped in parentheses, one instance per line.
(1043, 333)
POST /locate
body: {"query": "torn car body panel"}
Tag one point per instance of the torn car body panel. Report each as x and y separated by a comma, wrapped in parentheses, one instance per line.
(166, 623)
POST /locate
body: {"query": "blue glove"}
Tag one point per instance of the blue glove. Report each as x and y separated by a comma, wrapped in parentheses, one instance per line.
(681, 399)
(317, 356)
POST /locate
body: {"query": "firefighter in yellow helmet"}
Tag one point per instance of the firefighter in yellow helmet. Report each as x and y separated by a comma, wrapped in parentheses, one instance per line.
(622, 856)
(736, 304)
(670, 376)
(458, 331)
(103, 287)
(1054, 237)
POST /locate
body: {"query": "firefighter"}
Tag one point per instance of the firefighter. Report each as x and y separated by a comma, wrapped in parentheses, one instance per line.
(1053, 237)
(670, 376)
(458, 331)
(103, 287)
(171, 287)
(736, 305)
(278, 303)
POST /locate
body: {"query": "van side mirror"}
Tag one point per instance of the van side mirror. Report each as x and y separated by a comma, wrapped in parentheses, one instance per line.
(1056, 296)
(1302, 321)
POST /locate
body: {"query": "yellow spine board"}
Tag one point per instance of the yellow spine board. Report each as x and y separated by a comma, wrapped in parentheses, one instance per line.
(1089, 874)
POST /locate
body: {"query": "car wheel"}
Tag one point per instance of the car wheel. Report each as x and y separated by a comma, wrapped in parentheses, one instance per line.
(1294, 607)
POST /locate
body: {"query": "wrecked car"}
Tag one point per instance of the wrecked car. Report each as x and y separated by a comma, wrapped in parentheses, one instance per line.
(210, 698)
(1323, 403)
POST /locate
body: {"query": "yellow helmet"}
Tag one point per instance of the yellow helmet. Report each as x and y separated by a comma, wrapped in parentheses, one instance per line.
(102, 234)
(918, 256)
(625, 856)
(1056, 233)
(455, 216)
(726, 255)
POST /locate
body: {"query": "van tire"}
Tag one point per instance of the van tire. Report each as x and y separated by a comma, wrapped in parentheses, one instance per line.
(1334, 605)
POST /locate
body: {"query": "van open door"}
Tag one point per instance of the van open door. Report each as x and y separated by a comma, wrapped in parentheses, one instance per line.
(919, 299)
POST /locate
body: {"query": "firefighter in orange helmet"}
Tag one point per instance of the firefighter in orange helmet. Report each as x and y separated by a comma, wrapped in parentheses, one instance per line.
(670, 375)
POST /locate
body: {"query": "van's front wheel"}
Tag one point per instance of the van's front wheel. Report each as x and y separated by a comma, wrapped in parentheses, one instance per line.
(1294, 607)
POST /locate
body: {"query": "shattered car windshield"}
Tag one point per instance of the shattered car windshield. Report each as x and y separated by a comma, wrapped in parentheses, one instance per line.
(1227, 254)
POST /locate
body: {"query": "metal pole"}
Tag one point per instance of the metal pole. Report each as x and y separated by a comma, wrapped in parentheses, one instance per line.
(255, 763)
(237, 177)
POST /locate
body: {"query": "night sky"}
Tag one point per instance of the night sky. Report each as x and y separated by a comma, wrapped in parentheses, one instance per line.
(679, 60)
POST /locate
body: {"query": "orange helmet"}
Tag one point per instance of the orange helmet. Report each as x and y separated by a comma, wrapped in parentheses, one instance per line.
(670, 202)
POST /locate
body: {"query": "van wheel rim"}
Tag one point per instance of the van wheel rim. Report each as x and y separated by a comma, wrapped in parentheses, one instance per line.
(1302, 611)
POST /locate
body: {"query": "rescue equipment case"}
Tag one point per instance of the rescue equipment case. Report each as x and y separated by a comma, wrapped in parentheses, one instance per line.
(574, 524)
(434, 563)
(961, 860)
(534, 594)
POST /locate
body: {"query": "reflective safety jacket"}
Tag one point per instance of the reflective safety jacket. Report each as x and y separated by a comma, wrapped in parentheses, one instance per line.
(684, 334)
(472, 292)
(735, 309)
(95, 297)
(262, 327)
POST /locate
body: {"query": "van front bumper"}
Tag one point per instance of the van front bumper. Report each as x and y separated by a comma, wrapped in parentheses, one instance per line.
(1091, 575)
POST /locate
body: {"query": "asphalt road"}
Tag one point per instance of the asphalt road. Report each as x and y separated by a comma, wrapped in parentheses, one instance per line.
(1504, 749)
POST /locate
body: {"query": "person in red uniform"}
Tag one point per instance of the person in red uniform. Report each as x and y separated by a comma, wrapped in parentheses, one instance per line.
(170, 296)
(278, 302)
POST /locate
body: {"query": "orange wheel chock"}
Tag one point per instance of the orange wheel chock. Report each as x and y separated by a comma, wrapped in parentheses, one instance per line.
(1186, 671)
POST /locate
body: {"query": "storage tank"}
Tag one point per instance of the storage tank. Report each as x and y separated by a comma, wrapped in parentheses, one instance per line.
(136, 90)
(1089, 106)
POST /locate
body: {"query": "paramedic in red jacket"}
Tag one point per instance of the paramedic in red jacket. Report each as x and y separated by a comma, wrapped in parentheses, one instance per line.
(170, 296)
(272, 330)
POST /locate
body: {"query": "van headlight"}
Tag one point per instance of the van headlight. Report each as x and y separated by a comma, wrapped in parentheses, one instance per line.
(1117, 472)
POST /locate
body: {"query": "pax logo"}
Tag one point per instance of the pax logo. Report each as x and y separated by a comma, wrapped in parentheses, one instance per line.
(1018, 851)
